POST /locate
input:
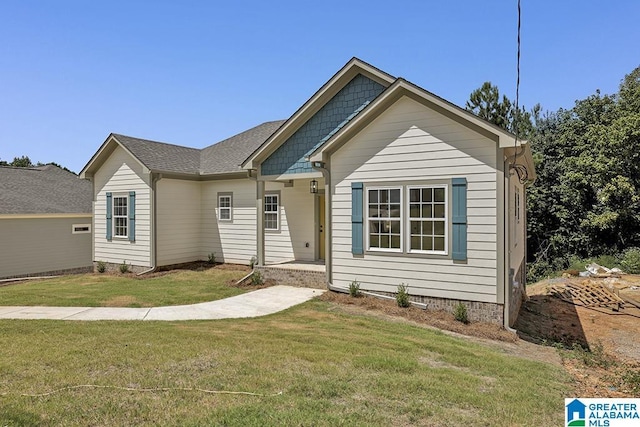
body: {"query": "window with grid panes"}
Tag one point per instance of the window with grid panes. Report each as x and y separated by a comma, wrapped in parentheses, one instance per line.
(120, 216)
(384, 217)
(428, 219)
(271, 212)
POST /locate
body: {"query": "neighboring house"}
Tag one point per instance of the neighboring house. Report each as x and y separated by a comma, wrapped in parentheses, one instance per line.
(379, 180)
(45, 222)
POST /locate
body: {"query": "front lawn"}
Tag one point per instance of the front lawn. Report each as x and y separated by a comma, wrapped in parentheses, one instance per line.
(311, 365)
(115, 290)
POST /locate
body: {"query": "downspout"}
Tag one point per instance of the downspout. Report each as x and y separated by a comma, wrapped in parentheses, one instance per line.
(154, 229)
(507, 248)
(255, 179)
(326, 174)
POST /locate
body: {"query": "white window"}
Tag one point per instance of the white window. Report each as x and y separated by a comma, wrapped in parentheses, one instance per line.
(81, 228)
(120, 216)
(384, 219)
(271, 212)
(428, 219)
(225, 204)
(407, 219)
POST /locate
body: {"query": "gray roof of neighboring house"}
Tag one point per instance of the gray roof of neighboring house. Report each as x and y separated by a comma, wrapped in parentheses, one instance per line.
(43, 189)
(223, 157)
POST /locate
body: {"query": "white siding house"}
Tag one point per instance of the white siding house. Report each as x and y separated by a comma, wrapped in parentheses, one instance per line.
(373, 177)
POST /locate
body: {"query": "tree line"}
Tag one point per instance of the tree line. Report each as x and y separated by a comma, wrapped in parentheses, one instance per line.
(585, 202)
(25, 162)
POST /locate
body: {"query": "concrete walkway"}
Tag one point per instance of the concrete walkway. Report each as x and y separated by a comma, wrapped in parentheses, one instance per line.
(252, 304)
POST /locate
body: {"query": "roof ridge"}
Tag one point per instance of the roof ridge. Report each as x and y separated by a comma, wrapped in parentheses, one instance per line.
(116, 135)
(30, 168)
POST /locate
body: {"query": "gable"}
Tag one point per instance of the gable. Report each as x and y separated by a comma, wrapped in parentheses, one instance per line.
(289, 158)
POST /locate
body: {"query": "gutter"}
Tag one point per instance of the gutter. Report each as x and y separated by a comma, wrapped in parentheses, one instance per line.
(154, 228)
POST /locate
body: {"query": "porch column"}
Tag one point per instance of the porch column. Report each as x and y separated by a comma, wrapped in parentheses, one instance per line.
(260, 221)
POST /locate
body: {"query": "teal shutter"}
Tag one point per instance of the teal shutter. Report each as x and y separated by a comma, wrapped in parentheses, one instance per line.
(132, 216)
(356, 218)
(109, 213)
(459, 220)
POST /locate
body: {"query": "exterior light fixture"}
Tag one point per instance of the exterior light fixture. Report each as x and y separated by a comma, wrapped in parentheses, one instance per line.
(313, 186)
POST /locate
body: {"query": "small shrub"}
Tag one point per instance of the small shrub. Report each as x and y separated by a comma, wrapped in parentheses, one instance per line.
(402, 297)
(631, 261)
(354, 289)
(631, 379)
(124, 267)
(252, 262)
(212, 258)
(101, 266)
(460, 313)
(256, 278)
(594, 356)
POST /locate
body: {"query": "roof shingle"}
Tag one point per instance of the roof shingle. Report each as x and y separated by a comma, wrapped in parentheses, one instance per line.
(223, 157)
(44, 189)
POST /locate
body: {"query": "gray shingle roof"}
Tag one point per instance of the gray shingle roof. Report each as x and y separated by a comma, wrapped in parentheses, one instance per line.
(159, 156)
(45, 189)
(228, 155)
(223, 157)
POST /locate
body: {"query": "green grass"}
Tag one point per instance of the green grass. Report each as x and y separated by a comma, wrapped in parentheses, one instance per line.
(332, 369)
(104, 290)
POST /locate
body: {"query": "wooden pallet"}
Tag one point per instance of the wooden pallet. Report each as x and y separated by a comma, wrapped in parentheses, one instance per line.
(588, 294)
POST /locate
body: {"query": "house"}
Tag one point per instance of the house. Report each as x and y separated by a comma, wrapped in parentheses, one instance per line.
(576, 410)
(45, 222)
(374, 178)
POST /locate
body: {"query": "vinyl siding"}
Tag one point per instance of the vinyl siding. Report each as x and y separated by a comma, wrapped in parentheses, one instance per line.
(411, 143)
(297, 224)
(120, 174)
(38, 245)
(232, 241)
(235, 241)
(178, 221)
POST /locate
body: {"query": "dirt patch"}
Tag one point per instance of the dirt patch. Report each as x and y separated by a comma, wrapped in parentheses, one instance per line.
(604, 359)
(547, 319)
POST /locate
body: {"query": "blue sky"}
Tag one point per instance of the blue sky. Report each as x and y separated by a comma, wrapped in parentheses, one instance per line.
(195, 72)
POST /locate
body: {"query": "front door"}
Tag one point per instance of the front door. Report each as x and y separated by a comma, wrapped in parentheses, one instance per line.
(321, 227)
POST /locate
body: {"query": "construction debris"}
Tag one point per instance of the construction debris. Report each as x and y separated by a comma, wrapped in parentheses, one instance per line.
(590, 294)
(596, 270)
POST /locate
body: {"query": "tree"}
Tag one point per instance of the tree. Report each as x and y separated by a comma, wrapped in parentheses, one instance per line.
(586, 201)
(485, 102)
(21, 162)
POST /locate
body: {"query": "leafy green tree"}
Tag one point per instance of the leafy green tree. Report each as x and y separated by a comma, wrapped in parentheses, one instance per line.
(21, 162)
(586, 201)
(485, 102)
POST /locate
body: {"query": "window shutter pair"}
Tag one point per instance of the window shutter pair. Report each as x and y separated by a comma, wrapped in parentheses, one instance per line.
(459, 219)
(132, 216)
